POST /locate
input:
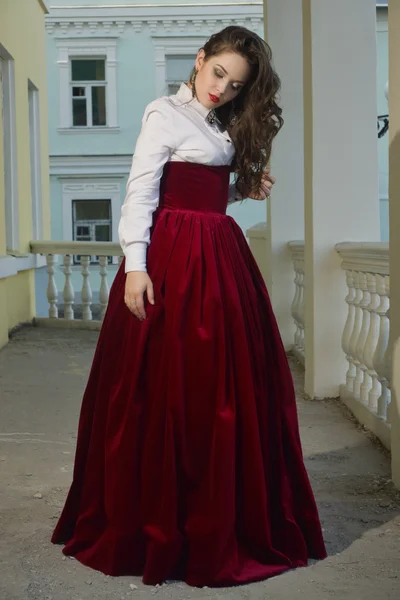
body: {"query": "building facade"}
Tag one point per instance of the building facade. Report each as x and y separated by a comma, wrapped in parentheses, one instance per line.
(24, 172)
(105, 64)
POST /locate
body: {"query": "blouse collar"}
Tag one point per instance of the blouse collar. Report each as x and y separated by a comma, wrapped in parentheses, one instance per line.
(184, 94)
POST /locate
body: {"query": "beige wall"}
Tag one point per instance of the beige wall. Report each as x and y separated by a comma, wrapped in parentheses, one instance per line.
(22, 34)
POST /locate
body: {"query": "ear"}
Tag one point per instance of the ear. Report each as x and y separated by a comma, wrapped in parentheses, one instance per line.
(200, 59)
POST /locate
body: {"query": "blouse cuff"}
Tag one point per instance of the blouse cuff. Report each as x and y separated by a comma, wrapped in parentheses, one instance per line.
(135, 257)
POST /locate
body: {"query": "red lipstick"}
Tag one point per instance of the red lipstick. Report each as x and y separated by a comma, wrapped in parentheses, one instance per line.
(213, 98)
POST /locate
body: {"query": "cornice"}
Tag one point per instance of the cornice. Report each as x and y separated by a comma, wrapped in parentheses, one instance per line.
(159, 20)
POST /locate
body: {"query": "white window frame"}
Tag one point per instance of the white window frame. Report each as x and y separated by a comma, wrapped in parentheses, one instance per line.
(9, 128)
(88, 85)
(92, 226)
(35, 161)
(172, 46)
(91, 190)
(69, 49)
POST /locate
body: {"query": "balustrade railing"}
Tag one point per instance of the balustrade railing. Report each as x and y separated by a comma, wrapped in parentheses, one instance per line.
(297, 251)
(365, 339)
(61, 254)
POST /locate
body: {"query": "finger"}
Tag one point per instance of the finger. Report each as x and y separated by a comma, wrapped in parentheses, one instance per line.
(150, 293)
(131, 303)
(269, 179)
(265, 190)
(267, 185)
(140, 307)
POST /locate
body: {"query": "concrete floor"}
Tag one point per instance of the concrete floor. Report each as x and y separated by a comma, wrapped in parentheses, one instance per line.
(42, 377)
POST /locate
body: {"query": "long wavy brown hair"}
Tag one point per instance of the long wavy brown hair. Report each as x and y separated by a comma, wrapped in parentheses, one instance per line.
(257, 114)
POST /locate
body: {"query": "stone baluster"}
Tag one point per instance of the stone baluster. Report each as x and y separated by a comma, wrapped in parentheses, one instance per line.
(358, 314)
(295, 304)
(348, 329)
(362, 338)
(104, 290)
(86, 290)
(301, 308)
(381, 351)
(68, 293)
(52, 292)
(372, 342)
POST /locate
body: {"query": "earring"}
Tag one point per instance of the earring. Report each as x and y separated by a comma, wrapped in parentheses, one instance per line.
(193, 81)
(232, 116)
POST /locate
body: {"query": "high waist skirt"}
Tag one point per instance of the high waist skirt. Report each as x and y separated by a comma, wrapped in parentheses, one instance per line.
(188, 462)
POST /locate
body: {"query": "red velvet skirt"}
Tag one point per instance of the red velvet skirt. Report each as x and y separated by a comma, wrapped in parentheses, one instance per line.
(188, 462)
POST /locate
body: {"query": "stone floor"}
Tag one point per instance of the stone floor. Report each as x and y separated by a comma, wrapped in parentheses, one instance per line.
(42, 376)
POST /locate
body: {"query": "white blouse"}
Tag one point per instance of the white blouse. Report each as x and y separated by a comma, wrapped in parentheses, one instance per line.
(174, 128)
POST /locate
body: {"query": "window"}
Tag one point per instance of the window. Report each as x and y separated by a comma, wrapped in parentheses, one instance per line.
(178, 69)
(35, 161)
(91, 222)
(9, 141)
(174, 60)
(88, 84)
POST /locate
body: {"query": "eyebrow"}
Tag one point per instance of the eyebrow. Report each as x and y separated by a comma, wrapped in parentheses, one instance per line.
(225, 71)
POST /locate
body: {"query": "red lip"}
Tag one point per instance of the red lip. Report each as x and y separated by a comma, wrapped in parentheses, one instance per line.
(213, 98)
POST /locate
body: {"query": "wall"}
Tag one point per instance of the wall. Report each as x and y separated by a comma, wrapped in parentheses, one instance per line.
(22, 34)
(383, 143)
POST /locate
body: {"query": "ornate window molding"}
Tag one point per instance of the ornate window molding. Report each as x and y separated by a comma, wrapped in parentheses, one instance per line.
(73, 47)
(90, 190)
(172, 46)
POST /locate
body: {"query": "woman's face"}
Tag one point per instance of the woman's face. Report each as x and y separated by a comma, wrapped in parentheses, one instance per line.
(220, 78)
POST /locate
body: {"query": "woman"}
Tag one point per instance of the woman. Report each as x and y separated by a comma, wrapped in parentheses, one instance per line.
(188, 462)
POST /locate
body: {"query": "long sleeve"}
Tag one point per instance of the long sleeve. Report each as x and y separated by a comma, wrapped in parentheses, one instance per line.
(154, 148)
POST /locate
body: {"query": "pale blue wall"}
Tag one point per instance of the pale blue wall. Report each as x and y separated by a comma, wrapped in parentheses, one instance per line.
(383, 143)
(136, 88)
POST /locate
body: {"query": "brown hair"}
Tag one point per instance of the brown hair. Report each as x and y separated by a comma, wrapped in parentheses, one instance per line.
(257, 114)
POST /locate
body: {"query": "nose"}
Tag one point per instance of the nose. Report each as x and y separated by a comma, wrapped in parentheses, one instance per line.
(222, 88)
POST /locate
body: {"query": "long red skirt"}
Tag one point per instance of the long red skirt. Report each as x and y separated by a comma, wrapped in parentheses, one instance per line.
(188, 462)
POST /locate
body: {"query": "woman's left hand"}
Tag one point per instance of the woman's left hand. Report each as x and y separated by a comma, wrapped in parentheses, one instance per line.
(264, 192)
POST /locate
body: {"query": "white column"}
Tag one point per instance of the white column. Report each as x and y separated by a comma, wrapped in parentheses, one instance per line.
(394, 220)
(285, 210)
(341, 170)
(65, 107)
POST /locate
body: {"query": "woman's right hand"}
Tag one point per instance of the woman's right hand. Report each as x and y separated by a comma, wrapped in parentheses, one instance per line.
(137, 284)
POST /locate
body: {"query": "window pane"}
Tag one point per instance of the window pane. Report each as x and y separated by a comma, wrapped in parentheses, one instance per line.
(79, 116)
(99, 105)
(78, 92)
(178, 68)
(83, 230)
(95, 210)
(103, 233)
(88, 70)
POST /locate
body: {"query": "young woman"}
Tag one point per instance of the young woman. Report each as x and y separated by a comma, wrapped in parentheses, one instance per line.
(189, 463)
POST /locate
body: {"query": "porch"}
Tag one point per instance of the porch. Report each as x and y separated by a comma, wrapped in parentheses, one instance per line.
(43, 372)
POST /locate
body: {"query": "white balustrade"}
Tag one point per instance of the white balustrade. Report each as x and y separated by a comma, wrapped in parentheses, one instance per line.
(52, 292)
(104, 291)
(68, 294)
(365, 339)
(297, 251)
(88, 270)
(86, 289)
